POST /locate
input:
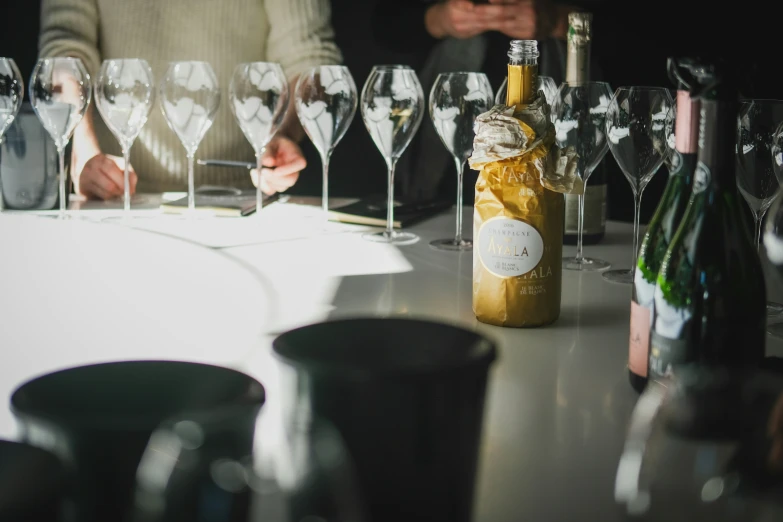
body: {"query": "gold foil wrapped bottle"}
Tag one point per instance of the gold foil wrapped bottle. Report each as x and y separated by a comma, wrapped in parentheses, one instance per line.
(519, 206)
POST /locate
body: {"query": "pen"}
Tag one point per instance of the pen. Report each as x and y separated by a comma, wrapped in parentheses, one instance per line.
(229, 163)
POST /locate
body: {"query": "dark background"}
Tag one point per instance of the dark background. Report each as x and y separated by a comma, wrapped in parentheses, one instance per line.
(632, 39)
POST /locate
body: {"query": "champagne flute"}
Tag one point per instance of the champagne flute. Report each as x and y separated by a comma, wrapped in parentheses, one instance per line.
(579, 115)
(392, 110)
(326, 104)
(636, 125)
(259, 101)
(756, 176)
(544, 83)
(456, 99)
(124, 94)
(11, 97)
(60, 92)
(190, 96)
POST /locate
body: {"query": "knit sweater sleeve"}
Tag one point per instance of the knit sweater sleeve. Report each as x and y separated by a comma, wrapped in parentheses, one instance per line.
(300, 35)
(70, 28)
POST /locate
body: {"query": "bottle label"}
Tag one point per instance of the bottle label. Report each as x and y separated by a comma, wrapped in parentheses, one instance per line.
(595, 210)
(640, 339)
(701, 178)
(509, 247)
(665, 353)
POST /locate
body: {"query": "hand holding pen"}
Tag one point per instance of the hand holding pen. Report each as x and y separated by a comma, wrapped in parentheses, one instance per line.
(282, 163)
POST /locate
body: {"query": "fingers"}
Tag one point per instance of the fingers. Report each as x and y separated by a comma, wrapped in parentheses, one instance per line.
(102, 178)
(272, 181)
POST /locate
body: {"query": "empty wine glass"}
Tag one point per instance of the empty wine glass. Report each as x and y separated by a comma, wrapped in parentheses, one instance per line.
(392, 109)
(60, 93)
(636, 124)
(579, 115)
(11, 97)
(124, 94)
(190, 96)
(326, 104)
(544, 83)
(705, 445)
(456, 100)
(259, 101)
(756, 177)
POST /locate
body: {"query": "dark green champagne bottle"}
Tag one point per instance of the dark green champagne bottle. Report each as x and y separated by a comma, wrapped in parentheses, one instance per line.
(710, 300)
(665, 220)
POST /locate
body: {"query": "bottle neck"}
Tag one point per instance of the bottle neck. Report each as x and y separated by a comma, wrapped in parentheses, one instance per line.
(578, 62)
(522, 80)
(686, 125)
(717, 144)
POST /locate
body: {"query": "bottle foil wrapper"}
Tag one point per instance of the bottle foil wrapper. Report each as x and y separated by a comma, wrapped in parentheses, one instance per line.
(519, 215)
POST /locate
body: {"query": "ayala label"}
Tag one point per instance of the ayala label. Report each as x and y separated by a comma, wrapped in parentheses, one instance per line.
(509, 247)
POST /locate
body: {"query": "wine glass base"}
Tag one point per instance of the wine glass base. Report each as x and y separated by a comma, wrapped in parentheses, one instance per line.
(393, 238)
(621, 276)
(585, 264)
(452, 245)
(774, 309)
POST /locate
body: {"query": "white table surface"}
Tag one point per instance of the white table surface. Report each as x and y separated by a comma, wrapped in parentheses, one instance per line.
(219, 289)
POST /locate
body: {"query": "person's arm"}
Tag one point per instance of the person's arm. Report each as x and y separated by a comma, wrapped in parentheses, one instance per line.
(70, 28)
(300, 37)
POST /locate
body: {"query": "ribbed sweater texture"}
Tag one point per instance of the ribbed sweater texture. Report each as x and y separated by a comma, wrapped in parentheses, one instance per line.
(295, 33)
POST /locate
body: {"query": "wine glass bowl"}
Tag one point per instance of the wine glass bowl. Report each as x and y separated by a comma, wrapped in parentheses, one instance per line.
(544, 83)
(636, 125)
(190, 96)
(11, 97)
(124, 95)
(579, 114)
(60, 92)
(259, 101)
(392, 104)
(757, 178)
(326, 100)
(456, 100)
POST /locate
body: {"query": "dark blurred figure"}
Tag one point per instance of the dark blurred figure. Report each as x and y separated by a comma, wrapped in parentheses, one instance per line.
(463, 35)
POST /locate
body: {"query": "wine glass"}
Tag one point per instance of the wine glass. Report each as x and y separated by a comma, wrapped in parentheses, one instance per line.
(194, 468)
(124, 94)
(579, 115)
(326, 104)
(544, 83)
(11, 97)
(456, 99)
(636, 124)
(756, 177)
(190, 96)
(60, 93)
(392, 110)
(704, 444)
(259, 101)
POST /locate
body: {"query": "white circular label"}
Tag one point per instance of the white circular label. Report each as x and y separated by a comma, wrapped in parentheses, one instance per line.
(509, 247)
(701, 178)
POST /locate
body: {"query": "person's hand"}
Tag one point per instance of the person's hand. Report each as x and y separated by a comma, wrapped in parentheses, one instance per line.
(103, 177)
(464, 19)
(514, 18)
(287, 158)
(455, 18)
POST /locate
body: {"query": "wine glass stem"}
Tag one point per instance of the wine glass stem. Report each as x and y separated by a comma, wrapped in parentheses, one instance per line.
(325, 197)
(757, 218)
(392, 163)
(126, 179)
(61, 158)
(460, 170)
(191, 183)
(580, 226)
(2, 198)
(637, 207)
(259, 192)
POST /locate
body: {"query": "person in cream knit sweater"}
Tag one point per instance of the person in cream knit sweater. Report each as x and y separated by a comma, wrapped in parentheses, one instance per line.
(295, 33)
